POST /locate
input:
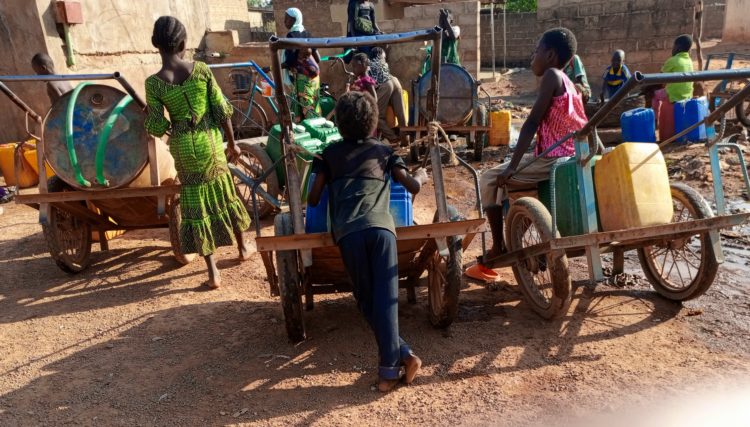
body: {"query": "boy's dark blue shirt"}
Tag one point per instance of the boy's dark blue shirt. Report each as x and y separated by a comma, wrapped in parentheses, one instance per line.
(358, 179)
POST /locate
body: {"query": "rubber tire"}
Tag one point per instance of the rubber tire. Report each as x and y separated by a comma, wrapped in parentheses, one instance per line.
(739, 112)
(67, 265)
(175, 219)
(709, 265)
(480, 136)
(258, 152)
(256, 125)
(287, 270)
(443, 316)
(742, 113)
(557, 261)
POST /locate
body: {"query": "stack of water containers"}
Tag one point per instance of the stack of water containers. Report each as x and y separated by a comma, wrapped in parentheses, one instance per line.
(317, 219)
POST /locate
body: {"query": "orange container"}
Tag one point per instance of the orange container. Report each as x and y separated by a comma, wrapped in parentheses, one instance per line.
(27, 177)
(390, 116)
(500, 127)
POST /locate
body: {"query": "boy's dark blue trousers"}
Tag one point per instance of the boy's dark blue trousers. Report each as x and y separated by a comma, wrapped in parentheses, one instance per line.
(371, 259)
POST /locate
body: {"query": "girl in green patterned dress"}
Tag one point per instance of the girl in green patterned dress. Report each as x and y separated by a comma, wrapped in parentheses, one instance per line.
(212, 214)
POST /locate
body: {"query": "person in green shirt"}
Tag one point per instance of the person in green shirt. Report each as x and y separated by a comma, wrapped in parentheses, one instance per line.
(680, 62)
(577, 74)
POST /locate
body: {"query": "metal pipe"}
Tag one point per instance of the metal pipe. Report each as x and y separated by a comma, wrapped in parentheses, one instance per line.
(79, 77)
(720, 111)
(613, 102)
(19, 102)
(547, 151)
(640, 79)
(57, 77)
(277, 43)
(251, 64)
(492, 35)
(129, 89)
(294, 195)
(695, 76)
(743, 167)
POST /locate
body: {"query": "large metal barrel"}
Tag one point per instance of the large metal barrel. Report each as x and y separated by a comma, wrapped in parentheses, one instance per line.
(97, 141)
(457, 91)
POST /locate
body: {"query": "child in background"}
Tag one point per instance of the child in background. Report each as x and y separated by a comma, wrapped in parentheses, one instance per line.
(389, 92)
(306, 64)
(577, 74)
(44, 66)
(361, 69)
(680, 62)
(357, 172)
(615, 76)
(451, 35)
(558, 111)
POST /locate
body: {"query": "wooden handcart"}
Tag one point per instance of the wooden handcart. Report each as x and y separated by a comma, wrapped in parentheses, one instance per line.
(88, 193)
(309, 264)
(680, 259)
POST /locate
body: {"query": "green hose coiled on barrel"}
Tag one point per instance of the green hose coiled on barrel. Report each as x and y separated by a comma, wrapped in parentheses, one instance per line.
(69, 135)
(101, 148)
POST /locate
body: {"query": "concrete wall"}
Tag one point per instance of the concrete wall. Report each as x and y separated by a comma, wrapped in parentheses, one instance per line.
(328, 19)
(18, 43)
(645, 29)
(737, 24)
(116, 36)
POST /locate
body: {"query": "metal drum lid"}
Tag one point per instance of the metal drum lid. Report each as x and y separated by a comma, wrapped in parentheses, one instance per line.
(125, 152)
(456, 94)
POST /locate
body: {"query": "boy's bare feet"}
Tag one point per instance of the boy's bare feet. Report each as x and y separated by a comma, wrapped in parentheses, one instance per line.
(214, 283)
(412, 364)
(245, 251)
(242, 246)
(384, 386)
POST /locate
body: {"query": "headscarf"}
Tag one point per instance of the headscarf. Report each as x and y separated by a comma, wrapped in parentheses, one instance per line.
(297, 15)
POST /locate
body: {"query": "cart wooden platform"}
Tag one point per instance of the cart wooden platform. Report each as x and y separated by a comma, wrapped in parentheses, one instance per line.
(69, 216)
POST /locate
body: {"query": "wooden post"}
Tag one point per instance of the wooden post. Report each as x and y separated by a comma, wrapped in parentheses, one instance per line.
(153, 167)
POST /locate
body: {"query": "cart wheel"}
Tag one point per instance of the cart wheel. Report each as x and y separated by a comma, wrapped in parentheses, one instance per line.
(68, 240)
(253, 162)
(248, 126)
(175, 219)
(684, 268)
(742, 110)
(545, 279)
(480, 136)
(445, 278)
(290, 282)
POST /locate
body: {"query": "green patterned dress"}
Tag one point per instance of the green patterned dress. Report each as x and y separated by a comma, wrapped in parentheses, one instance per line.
(211, 210)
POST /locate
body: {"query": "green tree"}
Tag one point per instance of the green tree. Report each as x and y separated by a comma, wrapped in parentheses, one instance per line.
(521, 6)
(258, 3)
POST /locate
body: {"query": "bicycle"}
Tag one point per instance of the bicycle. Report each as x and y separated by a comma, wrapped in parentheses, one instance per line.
(249, 118)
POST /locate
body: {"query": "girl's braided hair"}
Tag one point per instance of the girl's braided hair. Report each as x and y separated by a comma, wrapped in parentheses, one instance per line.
(169, 34)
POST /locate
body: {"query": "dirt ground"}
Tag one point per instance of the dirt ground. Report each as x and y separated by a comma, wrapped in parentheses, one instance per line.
(136, 340)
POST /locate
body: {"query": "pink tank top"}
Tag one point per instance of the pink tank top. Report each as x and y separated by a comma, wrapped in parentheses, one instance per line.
(565, 115)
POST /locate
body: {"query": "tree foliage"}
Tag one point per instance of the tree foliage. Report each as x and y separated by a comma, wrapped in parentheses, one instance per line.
(258, 3)
(521, 6)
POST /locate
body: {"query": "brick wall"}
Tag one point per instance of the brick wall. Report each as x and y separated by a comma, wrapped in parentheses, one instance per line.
(523, 30)
(645, 29)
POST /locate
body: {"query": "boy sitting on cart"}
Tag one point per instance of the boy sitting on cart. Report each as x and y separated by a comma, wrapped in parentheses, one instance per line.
(358, 173)
(558, 111)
